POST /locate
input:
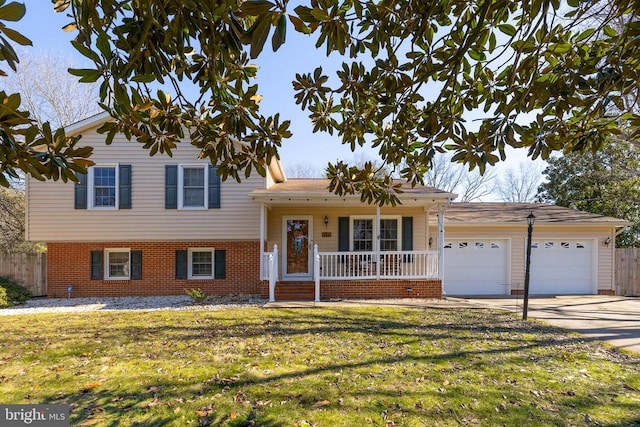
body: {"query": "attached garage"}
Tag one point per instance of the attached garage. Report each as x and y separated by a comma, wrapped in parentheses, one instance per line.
(562, 266)
(476, 267)
(485, 249)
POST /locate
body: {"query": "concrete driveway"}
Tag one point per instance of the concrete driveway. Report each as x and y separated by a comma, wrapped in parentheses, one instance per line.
(615, 320)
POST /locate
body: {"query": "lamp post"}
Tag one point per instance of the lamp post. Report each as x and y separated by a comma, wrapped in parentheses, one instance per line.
(525, 307)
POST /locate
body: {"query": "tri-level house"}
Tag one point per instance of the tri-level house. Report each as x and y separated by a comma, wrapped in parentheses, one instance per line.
(141, 225)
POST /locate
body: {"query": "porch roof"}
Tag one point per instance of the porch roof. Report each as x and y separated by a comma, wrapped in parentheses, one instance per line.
(315, 191)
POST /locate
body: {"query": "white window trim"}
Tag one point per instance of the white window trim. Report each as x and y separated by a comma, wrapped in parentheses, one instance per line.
(376, 234)
(91, 191)
(190, 263)
(107, 251)
(181, 187)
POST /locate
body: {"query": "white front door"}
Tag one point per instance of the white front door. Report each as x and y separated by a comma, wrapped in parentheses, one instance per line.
(297, 242)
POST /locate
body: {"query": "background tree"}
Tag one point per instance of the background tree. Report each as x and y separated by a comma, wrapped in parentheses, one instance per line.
(11, 219)
(415, 70)
(605, 183)
(470, 186)
(520, 185)
(303, 170)
(54, 97)
(50, 97)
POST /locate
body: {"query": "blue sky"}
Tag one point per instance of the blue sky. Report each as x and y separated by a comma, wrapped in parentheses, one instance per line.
(277, 71)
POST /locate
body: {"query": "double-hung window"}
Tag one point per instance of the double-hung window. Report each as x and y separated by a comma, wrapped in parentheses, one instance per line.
(192, 184)
(118, 264)
(365, 231)
(201, 263)
(362, 234)
(103, 188)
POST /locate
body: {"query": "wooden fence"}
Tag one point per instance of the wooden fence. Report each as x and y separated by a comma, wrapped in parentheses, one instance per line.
(628, 272)
(28, 269)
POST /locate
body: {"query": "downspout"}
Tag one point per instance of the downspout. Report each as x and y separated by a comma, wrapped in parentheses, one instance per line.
(441, 245)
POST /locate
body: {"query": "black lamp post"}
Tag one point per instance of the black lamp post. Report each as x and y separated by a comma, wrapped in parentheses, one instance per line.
(530, 220)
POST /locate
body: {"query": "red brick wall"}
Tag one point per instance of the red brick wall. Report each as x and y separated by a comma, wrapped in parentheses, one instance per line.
(364, 289)
(70, 262)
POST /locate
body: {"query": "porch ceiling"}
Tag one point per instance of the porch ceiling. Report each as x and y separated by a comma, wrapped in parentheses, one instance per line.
(296, 192)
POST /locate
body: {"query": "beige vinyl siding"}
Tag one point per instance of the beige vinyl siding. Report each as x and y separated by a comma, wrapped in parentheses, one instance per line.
(518, 237)
(330, 243)
(52, 217)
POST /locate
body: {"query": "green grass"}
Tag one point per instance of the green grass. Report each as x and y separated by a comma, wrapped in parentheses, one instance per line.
(315, 367)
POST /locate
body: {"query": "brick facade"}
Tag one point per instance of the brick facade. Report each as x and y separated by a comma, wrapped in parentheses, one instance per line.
(364, 289)
(69, 263)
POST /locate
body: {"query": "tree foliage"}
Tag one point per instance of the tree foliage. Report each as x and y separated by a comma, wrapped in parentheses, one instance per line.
(605, 183)
(413, 69)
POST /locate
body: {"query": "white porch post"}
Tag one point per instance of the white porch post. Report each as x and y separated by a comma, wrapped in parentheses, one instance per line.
(272, 288)
(377, 243)
(273, 273)
(441, 243)
(316, 272)
(262, 237)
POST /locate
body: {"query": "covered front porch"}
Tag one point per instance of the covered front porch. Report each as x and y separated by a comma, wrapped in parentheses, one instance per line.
(322, 246)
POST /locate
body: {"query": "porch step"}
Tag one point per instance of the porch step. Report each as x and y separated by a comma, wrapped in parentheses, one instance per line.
(295, 291)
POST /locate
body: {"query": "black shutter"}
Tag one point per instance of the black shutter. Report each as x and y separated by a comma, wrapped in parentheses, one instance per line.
(136, 265)
(171, 187)
(220, 260)
(407, 236)
(214, 188)
(343, 234)
(80, 192)
(96, 265)
(407, 233)
(124, 187)
(181, 264)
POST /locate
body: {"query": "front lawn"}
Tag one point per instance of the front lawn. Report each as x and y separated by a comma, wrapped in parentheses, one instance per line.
(315, 367)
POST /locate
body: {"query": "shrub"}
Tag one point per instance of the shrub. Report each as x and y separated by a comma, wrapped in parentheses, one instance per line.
(11, 293)
(197, 295)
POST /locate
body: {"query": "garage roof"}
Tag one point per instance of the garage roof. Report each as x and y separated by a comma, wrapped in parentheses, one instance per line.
(516, 213)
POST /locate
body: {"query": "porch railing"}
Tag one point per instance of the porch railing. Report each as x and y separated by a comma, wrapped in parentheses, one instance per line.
(385, 265)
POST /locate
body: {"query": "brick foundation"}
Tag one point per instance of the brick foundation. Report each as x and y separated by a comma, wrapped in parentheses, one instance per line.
(367, 289)
(69, 263)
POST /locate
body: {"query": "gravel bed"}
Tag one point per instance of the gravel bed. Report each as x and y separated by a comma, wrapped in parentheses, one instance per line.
(178, 302)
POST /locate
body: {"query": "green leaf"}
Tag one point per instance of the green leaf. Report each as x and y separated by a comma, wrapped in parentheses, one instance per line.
(103, 45)
(16, 36)
(12, 12)
(583, 35)
(507, 29)
(256, 7)
(260, 32)
(610, 31)
(299, 25)
(280, 34)
(87, 75)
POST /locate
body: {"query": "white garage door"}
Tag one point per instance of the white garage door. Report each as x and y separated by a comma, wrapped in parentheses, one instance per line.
(561, 267)
(475, 267)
